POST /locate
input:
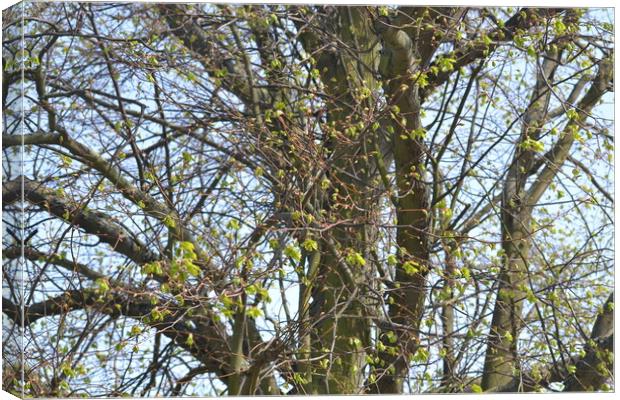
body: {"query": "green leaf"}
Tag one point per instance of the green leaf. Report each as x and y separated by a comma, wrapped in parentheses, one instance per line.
(297, 215)
(476, 388)
(191, 76)
(446, 64)
(254, 312)
(392, 260)
(572, 114)
(169, 221)
(187, 246)
(418, 134)
(310, 245)
(355, 342)
(192, 269)
(411, 267)
(299, 379)
(190, 339)
(531, 51)
(354, 258)
(156, 315)
(153, 268)
(275, 63)
(67, 370)
(102, 285)
(325, 184)
(292, 252)
(486, 40)
(66, 161)
(421, 355)
(80, 369)
(233, 224)
(532, 145)
(560, 28)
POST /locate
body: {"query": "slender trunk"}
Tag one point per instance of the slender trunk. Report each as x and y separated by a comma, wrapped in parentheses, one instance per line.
(501, 361)
(447, 320)
(407, 297)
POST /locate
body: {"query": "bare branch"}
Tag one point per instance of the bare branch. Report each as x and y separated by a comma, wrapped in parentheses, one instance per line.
(93, 222)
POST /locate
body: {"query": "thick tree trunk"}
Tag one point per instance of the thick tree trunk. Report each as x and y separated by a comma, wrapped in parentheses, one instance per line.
(407, 297)
(405, 50)
(344, 329)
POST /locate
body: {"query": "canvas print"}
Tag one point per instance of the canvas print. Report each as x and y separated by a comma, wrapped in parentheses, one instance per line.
(213, 199)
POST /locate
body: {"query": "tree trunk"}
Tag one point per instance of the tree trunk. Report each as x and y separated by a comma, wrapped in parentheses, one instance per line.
(344, 330)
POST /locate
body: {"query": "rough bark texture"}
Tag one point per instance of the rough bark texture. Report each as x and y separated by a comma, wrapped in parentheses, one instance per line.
(323, 175)
(344, 73)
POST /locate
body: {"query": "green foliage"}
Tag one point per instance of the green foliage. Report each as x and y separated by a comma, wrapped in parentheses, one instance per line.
(355, 259)
(392, 260)
(102, 285)
(446, 64)
(153, 268)
(411, 267)
(310, 245)
(188, 134)
(233, 224)
(532, 145)
(421, 355)
(391, 336)
(292, 252)
(169, 221)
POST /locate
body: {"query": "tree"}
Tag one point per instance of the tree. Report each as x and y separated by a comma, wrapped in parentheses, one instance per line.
(217, 199)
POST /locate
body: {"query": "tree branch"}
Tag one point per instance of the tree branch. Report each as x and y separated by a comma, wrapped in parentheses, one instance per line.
(93, 222)
(32, 254)
(590, 175)
(560, 151)
(150, 205)
(592, 369)
(596, 366)
(194, 37)
(522, 20)
(35, 138)
(210, 341)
